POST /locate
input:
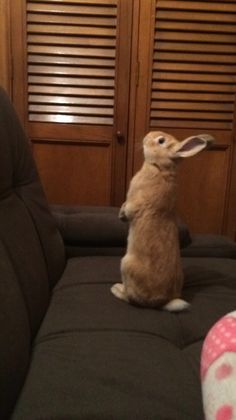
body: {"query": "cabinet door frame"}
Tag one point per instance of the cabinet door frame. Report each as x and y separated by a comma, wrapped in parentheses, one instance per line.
(5, 47)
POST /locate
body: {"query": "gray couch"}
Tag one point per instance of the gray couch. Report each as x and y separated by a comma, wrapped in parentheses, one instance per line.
(68, 349)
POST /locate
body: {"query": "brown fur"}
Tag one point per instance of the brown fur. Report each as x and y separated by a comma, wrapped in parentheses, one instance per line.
(151, 270)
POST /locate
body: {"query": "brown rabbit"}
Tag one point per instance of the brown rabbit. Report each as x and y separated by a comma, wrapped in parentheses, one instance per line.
(151, 270)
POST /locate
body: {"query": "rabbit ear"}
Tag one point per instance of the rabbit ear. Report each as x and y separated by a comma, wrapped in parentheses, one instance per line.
(193, 145)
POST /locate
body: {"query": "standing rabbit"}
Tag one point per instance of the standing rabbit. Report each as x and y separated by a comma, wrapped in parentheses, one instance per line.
(151, 270)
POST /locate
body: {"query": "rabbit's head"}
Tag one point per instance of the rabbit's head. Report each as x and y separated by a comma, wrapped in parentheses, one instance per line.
(164, 150)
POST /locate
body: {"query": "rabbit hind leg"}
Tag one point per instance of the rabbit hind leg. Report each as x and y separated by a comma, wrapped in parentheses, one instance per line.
(118, 291)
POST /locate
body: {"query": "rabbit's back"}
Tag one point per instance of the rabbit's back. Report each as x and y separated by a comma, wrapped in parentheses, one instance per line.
(153, 248)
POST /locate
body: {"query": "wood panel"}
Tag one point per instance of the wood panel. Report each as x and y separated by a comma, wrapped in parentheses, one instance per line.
(79, 173)
(202, 190)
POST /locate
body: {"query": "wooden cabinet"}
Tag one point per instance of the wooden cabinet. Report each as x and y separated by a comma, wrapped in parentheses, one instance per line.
(90, 78)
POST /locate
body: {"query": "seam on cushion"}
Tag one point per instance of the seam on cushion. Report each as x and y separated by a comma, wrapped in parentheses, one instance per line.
(60, 333)
(197, 341)
(59, 288)
(182, 334)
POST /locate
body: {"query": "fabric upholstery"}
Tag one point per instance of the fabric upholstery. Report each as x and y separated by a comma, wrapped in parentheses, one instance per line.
(106, 359)
(17, 232)
(91, 226)
(32, 249)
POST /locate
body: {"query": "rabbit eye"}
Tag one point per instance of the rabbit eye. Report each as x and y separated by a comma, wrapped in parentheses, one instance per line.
(161, 140)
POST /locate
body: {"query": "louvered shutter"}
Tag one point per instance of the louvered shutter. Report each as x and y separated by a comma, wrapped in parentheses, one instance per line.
(194, 65)
(71, 49)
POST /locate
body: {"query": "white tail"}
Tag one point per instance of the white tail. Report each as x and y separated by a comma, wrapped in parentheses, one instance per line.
(176, 305)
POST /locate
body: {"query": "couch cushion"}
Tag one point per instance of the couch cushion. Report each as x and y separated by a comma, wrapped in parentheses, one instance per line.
(210, 246)
(96, 357)
(14, 336)
(91, 226)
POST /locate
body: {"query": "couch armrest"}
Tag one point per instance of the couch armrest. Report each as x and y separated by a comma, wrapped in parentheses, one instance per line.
(88, 230)
(210, 246)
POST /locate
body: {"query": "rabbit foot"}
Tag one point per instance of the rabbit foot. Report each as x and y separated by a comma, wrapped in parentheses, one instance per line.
(118, 291)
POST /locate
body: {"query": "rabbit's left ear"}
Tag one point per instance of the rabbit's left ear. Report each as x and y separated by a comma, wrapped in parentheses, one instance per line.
(192, 145)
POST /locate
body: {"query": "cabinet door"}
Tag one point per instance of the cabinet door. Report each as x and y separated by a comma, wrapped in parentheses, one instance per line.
(71, 78)
(186, 85)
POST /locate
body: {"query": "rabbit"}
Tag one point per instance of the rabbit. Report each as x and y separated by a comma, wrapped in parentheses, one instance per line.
(151, 269)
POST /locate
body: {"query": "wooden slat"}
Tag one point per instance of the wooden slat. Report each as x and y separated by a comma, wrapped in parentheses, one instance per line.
(71, 90)
(195, 67)
(192, 87)
(70, 30)
(194, 77)
(190, 57)
(195, 37)
(78, 2)
(71, 71)
(77, 61)
(200, 27)
(197, 106)
(71, 51)
(63, 40)
(189, 115)
(70, 9)
(69, 100)
(70, 81)
(194, 96)
(225, 7)
(57, 118)
(196, 16)
(195, 47)
(72, 110)
(190, 124)
(73, 20)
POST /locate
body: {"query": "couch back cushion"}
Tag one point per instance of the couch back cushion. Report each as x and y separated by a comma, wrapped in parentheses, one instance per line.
(27, 229)
(14, 336)
(31, 253)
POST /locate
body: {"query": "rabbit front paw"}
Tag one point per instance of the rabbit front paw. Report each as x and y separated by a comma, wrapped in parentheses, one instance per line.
(122, 214)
